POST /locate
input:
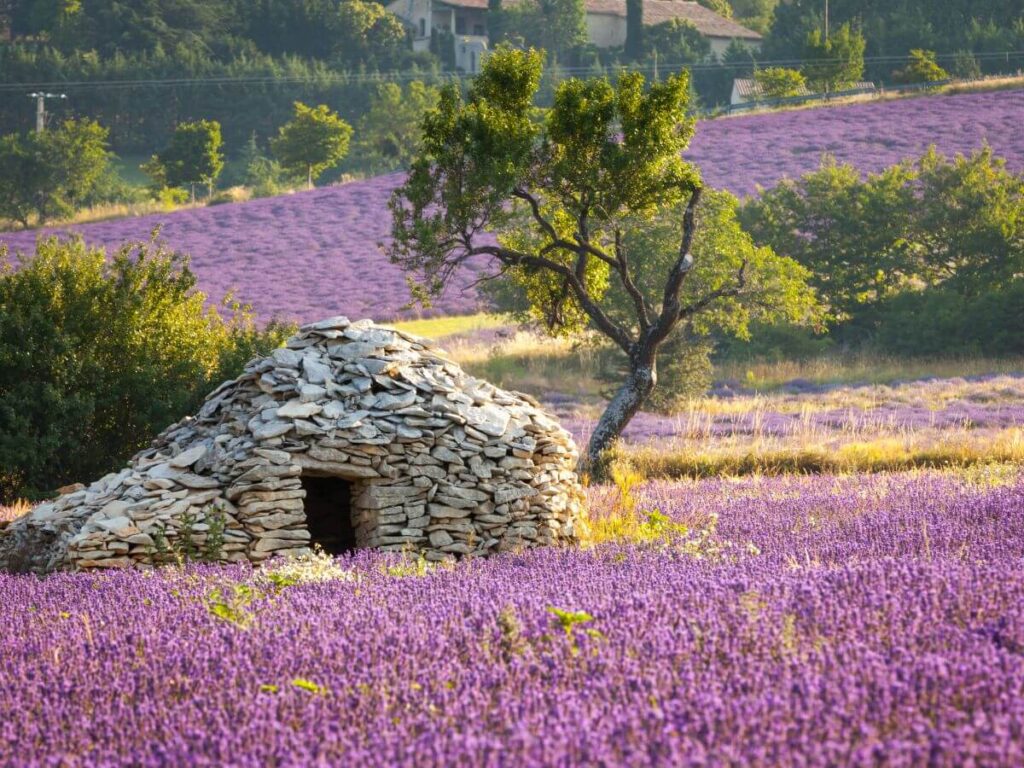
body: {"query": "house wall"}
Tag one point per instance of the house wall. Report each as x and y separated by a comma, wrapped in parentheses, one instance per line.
(605, 30)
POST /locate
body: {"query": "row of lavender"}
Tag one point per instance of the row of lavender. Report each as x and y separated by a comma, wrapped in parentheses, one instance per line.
(882, 623)
(315, 254)
(882, 420)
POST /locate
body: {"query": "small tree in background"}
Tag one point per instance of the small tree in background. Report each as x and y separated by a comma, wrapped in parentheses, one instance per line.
(388, 135)
(835, 63)
(194, 156)
(51, 174)
(675, 42)
(562, 209)
(922, 68)
(315, 139)
(97, 355)
(779, 82)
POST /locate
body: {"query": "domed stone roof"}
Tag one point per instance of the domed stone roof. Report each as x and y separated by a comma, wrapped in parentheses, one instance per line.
(351, 435)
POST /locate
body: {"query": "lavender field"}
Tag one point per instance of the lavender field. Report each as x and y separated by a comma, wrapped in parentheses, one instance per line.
(822, 621)
(315, 254)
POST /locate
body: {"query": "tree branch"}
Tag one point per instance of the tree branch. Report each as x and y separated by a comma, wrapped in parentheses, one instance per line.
(720, 293)
(622, 266)
(605, 324)
(684, 263)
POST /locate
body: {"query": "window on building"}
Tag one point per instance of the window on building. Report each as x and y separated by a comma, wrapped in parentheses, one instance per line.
(460, 25)
(423, 27)
(478, 29)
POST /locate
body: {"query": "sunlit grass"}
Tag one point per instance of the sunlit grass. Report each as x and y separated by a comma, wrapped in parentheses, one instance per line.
(440, 327)
(13, 512)
(954, 450)
(859, 369)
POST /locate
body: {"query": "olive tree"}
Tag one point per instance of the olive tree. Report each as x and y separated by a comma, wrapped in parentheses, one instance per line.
(558, 207)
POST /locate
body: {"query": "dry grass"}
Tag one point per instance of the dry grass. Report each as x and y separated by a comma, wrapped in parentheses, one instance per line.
(13, 512)
(948, 450)
(442, 327)
(865, 368)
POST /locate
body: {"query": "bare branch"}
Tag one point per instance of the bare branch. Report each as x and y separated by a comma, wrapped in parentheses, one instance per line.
(720, 293)
(622, 266)
(683, 264)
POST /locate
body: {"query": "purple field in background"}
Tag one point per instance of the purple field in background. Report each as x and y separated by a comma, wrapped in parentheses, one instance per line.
(314, 254)
(881, 623)
(740, 153)
(885, 419)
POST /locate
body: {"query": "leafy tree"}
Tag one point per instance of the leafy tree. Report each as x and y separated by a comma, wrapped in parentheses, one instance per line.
(721, 7)
(194, 156)
(922, 68)
(834, 63)
(51, 174)
(557, 26)
(634, 29)
(387, 136)
(779, 82)
(755, 14)
(96, 356)
(261, 174)
(314, 140)
(676, 42)
(366, 34)
(561, 208)
(958, 225)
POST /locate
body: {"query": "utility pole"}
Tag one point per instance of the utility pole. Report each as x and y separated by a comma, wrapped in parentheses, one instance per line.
(41, 97)
(826, 21)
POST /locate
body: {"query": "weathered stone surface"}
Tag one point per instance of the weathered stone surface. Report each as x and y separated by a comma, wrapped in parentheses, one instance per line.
(435, 461)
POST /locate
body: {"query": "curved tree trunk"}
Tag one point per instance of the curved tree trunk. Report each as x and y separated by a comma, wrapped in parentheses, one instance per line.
(622, 408)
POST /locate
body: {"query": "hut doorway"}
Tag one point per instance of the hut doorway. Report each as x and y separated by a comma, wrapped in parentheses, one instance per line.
(328, 506)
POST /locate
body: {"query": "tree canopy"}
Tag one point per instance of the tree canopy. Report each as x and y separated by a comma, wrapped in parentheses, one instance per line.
(560, 208)
(51, 174)
(314, 140)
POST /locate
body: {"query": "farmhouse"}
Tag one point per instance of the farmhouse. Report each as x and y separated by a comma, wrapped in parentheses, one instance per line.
(352, 435)
(466, 21)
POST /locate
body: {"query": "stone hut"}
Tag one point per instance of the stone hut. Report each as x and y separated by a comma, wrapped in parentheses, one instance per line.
(352, 435)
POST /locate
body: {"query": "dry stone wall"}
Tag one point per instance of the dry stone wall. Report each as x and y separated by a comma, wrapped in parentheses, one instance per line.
(438, 461)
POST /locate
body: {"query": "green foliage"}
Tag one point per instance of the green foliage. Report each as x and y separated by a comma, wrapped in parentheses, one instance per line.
(835, 63)
(955, 225)
(388, 135)
(675, 42)
(922, 68)
(233, 604)
(52, 174)
(96, 357)
(259, 173)
(314, 140)
(779, 82)
(594, 212)
(184, 545)
(309, 686)
(194, 156)
(568, 621)
(556, 26)
(966, 66)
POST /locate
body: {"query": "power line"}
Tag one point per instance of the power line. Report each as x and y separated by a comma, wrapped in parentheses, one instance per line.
(345, 78)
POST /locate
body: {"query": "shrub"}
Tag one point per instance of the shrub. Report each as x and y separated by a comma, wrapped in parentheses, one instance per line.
(96, 357)
(779, 82)
(921, 68)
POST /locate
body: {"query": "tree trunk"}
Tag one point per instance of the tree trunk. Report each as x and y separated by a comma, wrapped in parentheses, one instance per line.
(309, 177)
(623, 407)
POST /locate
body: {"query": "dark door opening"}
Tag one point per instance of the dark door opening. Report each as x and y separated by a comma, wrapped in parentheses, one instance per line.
(328, 506)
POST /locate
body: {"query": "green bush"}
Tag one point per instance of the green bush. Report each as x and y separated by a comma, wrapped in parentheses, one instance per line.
(98, 356)
(939, 321)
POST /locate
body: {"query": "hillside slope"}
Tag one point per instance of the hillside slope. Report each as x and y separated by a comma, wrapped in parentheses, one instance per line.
(315, 254)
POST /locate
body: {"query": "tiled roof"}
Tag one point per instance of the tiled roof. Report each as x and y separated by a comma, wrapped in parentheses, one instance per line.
(707, 22)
